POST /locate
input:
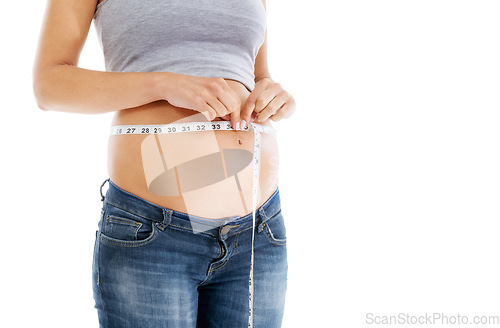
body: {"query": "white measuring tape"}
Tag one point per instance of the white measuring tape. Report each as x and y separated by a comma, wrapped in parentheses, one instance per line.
(213, 126)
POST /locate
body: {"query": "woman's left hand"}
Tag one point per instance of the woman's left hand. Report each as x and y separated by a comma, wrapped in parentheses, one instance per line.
(267, 100)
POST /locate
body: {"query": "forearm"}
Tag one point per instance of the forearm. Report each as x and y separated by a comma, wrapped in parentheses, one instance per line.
(68, 88)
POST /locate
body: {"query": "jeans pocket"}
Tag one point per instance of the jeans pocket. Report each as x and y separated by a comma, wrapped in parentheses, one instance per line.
(275, 229)
(124, 228)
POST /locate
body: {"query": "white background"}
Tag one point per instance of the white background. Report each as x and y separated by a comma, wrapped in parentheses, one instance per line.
(389, 176)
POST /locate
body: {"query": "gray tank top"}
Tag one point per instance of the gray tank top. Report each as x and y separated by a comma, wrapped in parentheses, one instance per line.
(211, 38)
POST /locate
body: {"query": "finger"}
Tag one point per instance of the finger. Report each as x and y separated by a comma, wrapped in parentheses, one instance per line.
(286, 111)
(249, 105)
(235, 120)
(247, 113)
(273, 106)
(229, 98)
(279, 115)
(262, 102)
(217, 106)
(208, 112)
(267, 96)
(232, 104)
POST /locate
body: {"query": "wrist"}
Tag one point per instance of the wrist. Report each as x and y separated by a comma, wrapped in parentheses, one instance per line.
(262, 77)
(162, 84)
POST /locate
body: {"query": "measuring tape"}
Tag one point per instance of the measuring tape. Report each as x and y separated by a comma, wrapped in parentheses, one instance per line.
(213, 126)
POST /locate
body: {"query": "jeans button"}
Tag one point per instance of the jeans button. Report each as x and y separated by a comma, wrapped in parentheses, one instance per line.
(225, 230)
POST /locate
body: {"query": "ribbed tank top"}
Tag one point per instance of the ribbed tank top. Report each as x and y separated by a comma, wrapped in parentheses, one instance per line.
(211, 38)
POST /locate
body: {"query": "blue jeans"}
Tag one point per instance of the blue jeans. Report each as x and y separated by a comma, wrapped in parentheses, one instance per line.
(154, 267)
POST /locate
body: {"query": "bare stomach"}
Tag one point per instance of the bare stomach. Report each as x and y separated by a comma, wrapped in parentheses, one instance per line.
(202, 173)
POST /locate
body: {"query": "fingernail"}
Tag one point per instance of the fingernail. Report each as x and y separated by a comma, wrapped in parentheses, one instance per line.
(237, 125)
(243, 124)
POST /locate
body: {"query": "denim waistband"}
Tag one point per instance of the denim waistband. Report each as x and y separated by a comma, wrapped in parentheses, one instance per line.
(129, 202)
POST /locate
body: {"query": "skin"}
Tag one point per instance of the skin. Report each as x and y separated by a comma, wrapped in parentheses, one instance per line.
(155, 98)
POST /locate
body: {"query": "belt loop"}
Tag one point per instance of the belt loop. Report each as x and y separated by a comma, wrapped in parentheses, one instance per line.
(100, 190)
(264, 217)
(167, 217)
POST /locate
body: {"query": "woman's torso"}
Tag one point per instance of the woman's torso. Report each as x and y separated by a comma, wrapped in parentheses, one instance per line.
(135, 160)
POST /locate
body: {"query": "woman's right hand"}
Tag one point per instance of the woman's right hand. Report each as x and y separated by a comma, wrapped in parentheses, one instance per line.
(210, 96)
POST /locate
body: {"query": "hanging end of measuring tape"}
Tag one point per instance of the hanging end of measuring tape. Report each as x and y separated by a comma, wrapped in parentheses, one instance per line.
(255, 187)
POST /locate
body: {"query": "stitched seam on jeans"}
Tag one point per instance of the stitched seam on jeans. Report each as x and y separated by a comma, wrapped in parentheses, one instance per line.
(274, 216)
(123, 220)
(274, 240)
(236, 244)
(262, 223)
(98, 253)
(249, 228)
(111, 218)
(220, 250)
(129, 211)
(126, 243)
(221, 265)
(189, 229)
